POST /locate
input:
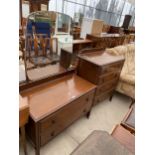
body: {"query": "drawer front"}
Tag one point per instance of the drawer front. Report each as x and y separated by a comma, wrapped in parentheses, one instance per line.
(102, 97)
(106, 87)
(116, 67)
(108, 77)
(54, 124)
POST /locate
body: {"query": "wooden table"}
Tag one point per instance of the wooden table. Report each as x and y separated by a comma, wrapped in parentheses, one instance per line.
(55, 105)
(23, 119)
(124, 137)
(103, 70)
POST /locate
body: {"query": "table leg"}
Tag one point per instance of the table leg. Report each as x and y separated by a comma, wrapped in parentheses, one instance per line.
(37, 148)
(23, 139)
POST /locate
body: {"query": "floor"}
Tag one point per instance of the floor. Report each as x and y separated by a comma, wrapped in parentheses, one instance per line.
(104, 116)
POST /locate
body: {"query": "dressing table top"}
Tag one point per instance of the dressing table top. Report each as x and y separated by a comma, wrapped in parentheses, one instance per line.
(51, 96)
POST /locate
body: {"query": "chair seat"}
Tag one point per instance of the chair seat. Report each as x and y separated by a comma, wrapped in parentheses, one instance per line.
(100, 143)
(129, 120)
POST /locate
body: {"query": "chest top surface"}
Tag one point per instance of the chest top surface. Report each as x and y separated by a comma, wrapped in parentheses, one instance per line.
(51, 96)
(101, 58)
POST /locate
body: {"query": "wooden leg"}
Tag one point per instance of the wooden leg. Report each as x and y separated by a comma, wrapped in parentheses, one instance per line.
(132, 102)
(23, 139)
(110, 99)
(37, 148)
(88, 114)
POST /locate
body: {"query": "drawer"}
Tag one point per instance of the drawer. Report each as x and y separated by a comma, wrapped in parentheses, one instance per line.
(115, 67)
(106, 87)
(102, 97)
(108, 77)
(66, 115)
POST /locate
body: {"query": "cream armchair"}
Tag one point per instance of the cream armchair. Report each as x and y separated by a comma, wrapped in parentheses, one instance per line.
(126, 84)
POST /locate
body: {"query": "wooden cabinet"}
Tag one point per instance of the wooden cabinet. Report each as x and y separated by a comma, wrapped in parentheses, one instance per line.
(101, 69)
(56, 105)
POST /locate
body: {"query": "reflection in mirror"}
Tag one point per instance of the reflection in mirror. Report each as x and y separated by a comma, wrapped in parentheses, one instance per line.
(46, 33)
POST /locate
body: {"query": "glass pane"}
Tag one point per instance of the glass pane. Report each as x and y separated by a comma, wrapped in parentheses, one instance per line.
(126, 9)
(114, 19)
(59, 6)
(69, 8)
(52, 5)
(91, 3)
(89, 12)
(105, 16)
(79, 8)
(121, 21)
(118, 7)
(105, 5)
(80, 1)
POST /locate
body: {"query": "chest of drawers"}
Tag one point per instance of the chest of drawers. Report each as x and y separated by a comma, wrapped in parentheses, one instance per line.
(101, 69)
(56, 105)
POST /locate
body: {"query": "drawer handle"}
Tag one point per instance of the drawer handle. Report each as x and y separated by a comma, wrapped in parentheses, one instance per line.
(87, 99)
(53, 121)
(52, 134)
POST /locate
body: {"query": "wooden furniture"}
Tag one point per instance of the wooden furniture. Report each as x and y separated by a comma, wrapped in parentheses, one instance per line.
(101, 69)
(55, 105)
(106, 40)
(114, 29)
(101, 143)
(23, 119)
(68, 56)
(38, 5)
(124, 137)
(129, 120)
(80, 44)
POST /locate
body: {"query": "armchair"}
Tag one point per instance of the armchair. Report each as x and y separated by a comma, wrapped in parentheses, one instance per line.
(126, 84)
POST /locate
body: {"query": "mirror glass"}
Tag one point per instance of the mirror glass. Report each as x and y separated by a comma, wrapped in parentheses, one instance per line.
(46, 33)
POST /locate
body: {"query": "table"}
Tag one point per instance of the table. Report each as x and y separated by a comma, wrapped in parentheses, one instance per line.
(23, 119)
(103, 70)
(55, 105)
(124, 137)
